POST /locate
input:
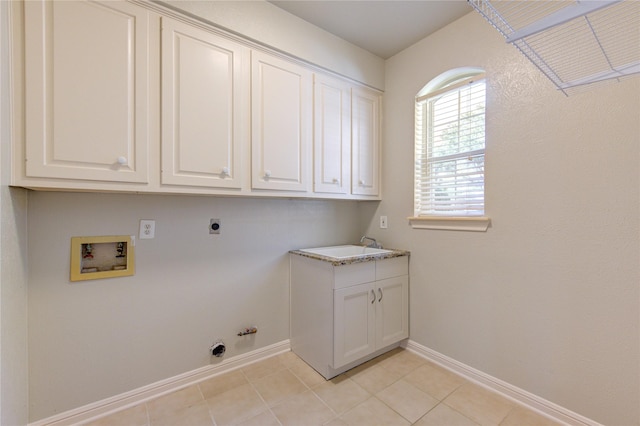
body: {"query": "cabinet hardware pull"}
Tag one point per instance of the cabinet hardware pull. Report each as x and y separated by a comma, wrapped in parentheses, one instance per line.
(267, 174)
(225, 171)
(380, 293)
(361, 182)
(373, 293)
(122, 160)
(336, 181)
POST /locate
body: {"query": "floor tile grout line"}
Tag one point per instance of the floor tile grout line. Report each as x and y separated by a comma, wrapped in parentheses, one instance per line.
(440, 401)
(261, 398)
(396, 411)
(309, 388)
(213, 421)
(387, 364)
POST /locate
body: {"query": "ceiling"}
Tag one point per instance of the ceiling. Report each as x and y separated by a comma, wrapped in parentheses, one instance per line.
(383, 27)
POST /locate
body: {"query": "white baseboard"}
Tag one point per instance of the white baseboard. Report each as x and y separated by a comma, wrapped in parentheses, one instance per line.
(129, 399)
(520, 396)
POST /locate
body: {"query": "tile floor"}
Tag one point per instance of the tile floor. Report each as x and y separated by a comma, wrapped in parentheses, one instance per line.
(397, 388)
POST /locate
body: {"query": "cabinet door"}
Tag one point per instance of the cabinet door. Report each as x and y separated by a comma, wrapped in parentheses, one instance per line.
(392, 310)
(205, 101)
(87, 97)
(365, 128)
(354, 323)
(332, 135)
(281, 124)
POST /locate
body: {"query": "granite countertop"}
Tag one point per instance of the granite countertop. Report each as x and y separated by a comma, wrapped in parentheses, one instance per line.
(350, 260)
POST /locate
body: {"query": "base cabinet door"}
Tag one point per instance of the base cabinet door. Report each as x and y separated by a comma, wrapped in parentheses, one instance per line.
(392, 310)
(354, 323)
(87, 97)
(205, 101)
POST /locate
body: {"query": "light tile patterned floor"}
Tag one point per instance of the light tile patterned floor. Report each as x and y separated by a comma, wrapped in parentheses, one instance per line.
(398, 388)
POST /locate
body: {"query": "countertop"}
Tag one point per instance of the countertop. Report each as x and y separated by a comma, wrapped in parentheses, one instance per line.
(348, 261)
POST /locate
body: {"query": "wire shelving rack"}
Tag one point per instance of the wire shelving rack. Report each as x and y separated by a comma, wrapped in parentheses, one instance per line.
(574, 43)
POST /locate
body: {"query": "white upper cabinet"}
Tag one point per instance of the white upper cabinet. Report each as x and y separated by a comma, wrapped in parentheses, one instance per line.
(365, 140)
(205, 107)
(281, 107)
(86, 91)
(332, 135)
(133, 97)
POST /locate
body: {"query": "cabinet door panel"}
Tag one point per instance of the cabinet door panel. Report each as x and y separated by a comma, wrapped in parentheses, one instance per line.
(365, 128)
(87, 97)
(281, 124)
(392, 310)
(205, 97)
(332, 135)
(354, 322)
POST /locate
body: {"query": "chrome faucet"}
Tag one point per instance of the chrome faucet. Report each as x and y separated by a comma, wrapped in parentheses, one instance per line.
(374, 243)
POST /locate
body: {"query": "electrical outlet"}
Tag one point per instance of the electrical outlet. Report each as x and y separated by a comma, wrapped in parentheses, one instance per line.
(383, 222)
(147, 229)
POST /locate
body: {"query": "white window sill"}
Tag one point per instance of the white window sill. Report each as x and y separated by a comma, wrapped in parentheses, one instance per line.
(451, 223)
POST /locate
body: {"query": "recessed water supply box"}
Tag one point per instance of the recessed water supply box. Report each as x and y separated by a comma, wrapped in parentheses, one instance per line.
(101, 257)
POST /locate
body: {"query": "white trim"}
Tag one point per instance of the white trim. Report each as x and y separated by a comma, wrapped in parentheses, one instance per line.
(451, 223)
(128, 399)
(509, 391)
(452, 87)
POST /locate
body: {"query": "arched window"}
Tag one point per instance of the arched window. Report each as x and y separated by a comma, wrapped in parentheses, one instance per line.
(449, 145)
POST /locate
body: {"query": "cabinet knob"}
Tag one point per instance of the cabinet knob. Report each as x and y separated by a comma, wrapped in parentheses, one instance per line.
(361, 182)
(122, 161)
(267, 173)
(225, 171)
(336, 181)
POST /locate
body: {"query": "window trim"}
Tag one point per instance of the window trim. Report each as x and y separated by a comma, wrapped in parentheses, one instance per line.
(451, 223)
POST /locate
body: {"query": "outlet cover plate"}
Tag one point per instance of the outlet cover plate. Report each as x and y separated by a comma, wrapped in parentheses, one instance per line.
(383, 222)
(147, 229)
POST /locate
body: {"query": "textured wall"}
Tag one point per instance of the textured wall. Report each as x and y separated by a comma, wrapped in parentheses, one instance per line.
(548, 298)
(95, 339)
(90, 340)
(272, 26)
(13, 267)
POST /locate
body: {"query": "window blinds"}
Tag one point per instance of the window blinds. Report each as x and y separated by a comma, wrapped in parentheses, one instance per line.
(450, 142)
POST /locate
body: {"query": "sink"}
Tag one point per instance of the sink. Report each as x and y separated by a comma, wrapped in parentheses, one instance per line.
(346, 252)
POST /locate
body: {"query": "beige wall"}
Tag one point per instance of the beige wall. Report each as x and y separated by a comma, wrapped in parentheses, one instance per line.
(93, 339)
(548, 298)
(270, 25)
(13, 268)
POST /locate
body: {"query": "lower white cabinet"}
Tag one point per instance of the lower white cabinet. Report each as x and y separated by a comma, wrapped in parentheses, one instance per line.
(368, 317)
(344, 315)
